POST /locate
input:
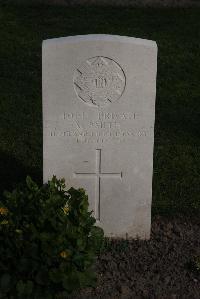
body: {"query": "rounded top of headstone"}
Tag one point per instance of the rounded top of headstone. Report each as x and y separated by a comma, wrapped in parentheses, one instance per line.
(103, 37)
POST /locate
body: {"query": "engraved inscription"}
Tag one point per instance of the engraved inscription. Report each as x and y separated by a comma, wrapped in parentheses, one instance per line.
(99, 81)
(100, 127)
(98, 174)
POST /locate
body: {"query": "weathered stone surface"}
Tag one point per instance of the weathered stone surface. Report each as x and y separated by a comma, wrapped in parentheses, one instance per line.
(98, 116)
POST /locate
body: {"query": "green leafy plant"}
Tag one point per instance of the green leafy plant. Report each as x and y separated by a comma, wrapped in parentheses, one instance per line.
(48, 241)
(194, 265)
(197, 264)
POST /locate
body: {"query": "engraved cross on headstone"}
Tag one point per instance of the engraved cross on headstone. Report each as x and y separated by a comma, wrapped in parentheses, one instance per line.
(98, 174)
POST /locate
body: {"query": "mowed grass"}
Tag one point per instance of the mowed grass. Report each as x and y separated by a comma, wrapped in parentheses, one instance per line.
(176, 179)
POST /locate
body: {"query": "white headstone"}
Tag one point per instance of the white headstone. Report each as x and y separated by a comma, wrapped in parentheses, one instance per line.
(98, 117)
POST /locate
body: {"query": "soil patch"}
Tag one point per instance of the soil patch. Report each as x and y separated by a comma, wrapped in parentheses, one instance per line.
(157, 268)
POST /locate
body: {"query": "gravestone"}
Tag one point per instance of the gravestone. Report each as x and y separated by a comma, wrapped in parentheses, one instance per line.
(98, 125)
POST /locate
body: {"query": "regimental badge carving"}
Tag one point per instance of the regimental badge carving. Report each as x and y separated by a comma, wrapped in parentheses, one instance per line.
(99, 81)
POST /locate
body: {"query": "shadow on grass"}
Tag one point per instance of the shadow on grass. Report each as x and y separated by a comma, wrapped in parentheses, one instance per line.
(13, 173)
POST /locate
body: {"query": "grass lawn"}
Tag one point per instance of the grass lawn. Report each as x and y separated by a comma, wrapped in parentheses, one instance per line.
(176, 180)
